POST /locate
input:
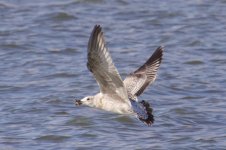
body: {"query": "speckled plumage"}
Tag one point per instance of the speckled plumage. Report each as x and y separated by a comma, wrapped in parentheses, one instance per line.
(116, 95)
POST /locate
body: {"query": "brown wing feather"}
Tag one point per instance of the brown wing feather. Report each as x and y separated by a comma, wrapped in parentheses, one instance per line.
(102, 67)
(138, 81)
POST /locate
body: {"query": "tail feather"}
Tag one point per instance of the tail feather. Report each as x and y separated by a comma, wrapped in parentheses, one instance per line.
(150, 119)
(143, 111)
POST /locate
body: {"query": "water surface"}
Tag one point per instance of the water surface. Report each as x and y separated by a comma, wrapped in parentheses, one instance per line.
(43, 68)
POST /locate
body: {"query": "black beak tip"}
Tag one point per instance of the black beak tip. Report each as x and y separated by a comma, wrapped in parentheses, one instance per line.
(78, 102)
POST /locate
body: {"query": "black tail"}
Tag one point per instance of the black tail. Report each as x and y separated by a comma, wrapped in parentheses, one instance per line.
(150, 119)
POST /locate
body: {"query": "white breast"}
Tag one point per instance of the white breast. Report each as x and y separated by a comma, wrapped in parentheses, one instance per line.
(111, 104)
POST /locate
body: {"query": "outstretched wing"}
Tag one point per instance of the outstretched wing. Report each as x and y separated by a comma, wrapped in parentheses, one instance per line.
(137, 81)
(102, 67)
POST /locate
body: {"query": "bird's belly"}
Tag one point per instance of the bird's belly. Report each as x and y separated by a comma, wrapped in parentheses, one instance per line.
(117, 107)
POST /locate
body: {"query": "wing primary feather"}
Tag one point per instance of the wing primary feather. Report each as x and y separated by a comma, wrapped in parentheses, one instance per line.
(155, 59)
(101, 65)
(139, 80)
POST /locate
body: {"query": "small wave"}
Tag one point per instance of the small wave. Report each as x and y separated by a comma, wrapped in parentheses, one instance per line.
(90, 1)
(5, 5)
(61, 16)
(13, 45)
(64, 51)
(194, 62)
(80, 121)
(124, 120)
(61, 75)
(10, 88)
(192, 97)
(53, 138)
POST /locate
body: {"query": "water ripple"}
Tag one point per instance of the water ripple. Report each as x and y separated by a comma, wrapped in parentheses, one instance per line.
(43, 50)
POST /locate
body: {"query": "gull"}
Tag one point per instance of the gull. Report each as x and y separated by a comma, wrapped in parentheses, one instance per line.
(116, 95)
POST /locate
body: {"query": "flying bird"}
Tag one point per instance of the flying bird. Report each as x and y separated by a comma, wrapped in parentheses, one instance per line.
(116, 95)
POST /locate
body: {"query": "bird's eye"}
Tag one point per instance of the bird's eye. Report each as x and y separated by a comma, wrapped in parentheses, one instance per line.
(87, 98)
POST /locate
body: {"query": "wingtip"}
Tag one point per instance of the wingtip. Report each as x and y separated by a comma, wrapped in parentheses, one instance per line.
(159, 52)
(156, 56)
(97, 30)
(160, 48)
(97, 27)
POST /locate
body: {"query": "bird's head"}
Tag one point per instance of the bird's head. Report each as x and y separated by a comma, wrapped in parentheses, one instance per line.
(88, 100)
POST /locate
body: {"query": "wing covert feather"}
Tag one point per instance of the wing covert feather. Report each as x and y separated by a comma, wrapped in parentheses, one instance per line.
(139, 80)
(101, 65)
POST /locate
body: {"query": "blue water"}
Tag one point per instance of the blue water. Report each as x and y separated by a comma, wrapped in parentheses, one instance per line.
(43, 69)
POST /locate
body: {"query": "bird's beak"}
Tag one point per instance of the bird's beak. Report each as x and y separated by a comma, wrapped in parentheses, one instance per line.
(78, 102)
